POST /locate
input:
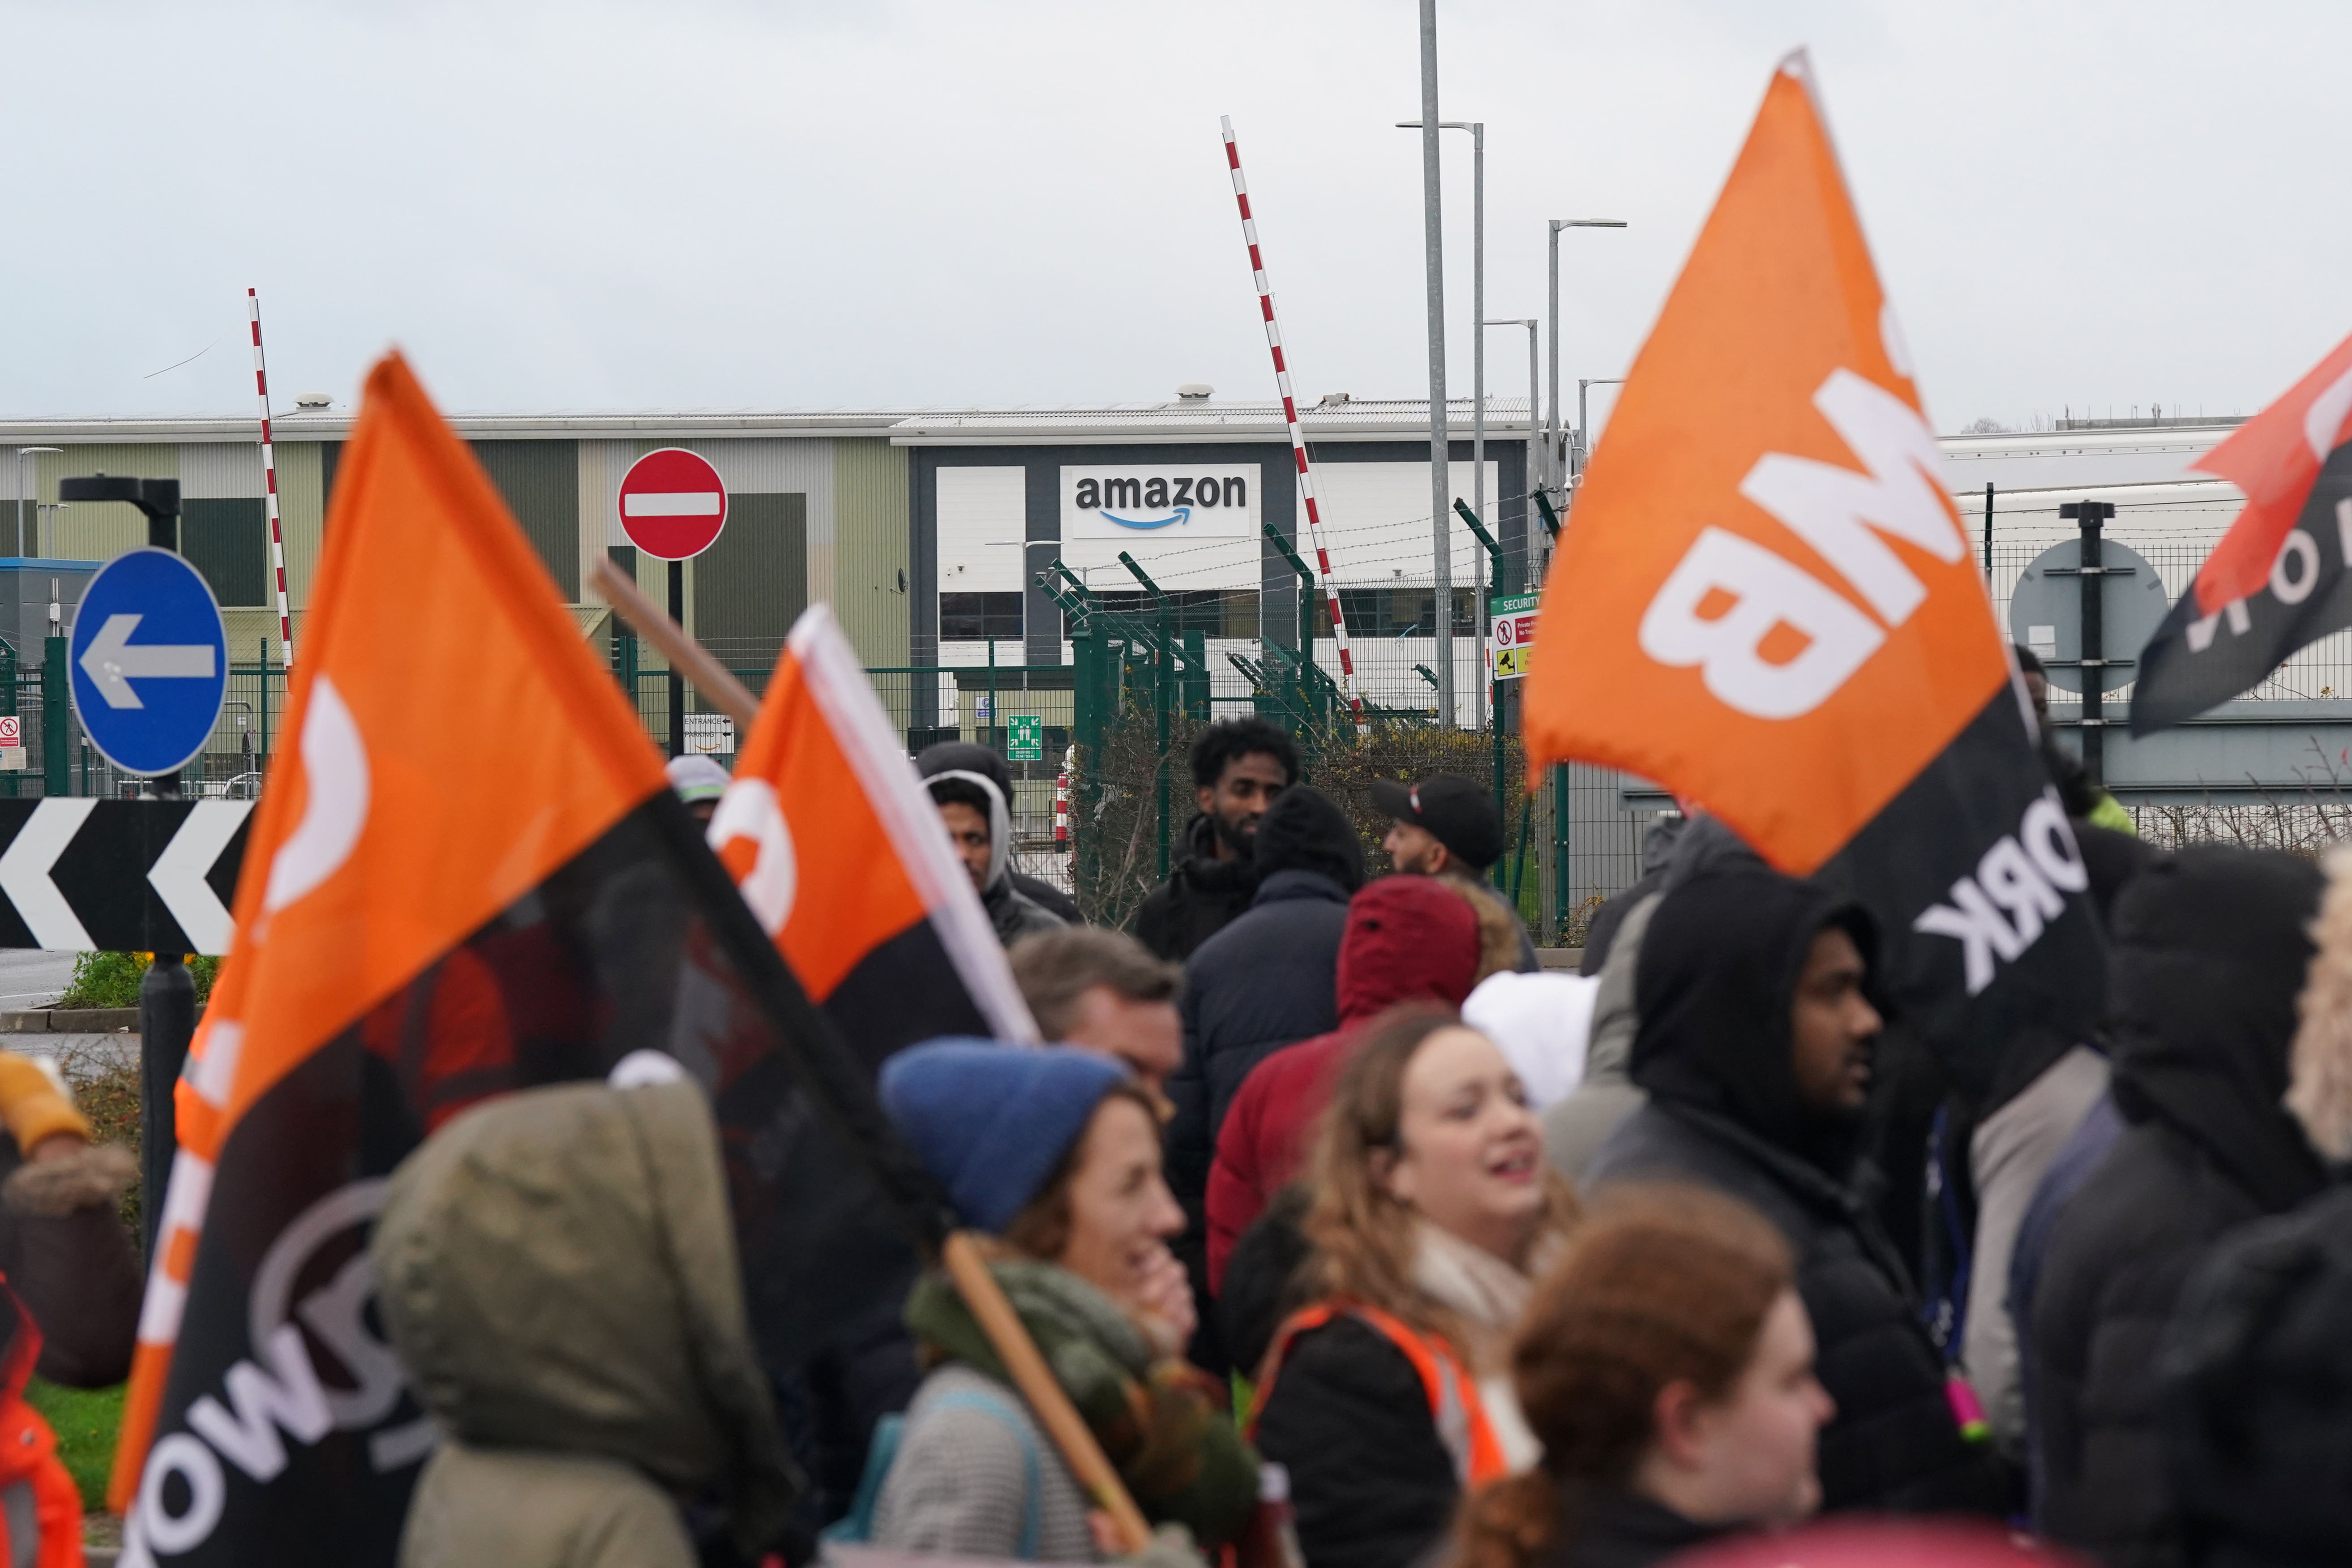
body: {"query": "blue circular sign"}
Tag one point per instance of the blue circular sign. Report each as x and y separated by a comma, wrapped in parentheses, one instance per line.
(149, 661)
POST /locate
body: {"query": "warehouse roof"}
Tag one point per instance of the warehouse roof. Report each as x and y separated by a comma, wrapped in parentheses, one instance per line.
(1182, 419)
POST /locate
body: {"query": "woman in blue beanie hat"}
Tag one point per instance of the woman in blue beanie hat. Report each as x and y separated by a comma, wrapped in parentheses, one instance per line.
(1056, 1154)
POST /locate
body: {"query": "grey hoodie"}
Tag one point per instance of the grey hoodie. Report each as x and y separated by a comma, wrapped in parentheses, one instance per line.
(1014, 914)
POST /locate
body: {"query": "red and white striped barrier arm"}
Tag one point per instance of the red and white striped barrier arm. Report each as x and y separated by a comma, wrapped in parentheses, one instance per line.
(269, 474)
(1297, 438)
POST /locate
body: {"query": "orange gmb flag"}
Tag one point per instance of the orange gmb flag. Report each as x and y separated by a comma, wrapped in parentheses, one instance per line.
(467, 877)
(1764, 600)
(840, 854)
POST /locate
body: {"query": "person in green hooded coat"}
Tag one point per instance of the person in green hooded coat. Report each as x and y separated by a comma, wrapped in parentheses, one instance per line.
(559, 1275)
(1054, 1154)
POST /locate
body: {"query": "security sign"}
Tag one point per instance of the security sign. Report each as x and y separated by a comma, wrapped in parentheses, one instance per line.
(12, 743)
(1512, 633)
(149, 662)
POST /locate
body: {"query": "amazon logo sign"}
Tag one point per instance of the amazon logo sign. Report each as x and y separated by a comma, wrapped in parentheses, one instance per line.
(1194, 501)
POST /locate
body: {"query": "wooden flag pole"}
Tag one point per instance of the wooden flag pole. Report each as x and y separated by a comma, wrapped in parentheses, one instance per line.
(960, 1253)
(685, 655)
(1036, 1381)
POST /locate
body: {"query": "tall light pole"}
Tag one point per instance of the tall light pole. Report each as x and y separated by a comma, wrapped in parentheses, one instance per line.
(23, 453)
(1583, 428)
(1440, 442)
(1553, 454)
(1478, 129)
(1530, 323)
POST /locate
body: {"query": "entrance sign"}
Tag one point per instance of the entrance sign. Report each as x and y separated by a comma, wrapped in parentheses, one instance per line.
(673, 504)
(712, 735)
(1024, 738)
(149, 661)
(1512, 633)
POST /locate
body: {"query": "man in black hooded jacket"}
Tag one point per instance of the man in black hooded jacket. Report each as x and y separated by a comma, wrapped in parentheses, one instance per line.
(1263, 983)
(2208, 955)
(1755, 1045)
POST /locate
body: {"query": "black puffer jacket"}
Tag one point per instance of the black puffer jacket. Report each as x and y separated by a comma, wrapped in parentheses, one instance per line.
(2257, 1392)
(1717, 983)
(1201, 896)
(2208, 954)
(1372, 1484)
(1265, 982)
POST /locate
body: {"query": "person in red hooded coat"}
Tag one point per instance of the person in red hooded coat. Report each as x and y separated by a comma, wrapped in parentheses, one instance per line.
(1408, 939)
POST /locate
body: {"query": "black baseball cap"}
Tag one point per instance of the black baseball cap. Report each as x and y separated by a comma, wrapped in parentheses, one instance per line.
(1459, 813)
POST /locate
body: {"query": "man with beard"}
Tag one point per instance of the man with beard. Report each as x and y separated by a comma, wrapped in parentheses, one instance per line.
(1239, 766)
(1757, 1036)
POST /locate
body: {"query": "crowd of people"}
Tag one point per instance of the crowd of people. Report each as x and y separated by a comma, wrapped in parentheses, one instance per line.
(1357, 1239)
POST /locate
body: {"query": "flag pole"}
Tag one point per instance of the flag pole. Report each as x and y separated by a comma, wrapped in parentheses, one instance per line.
(959, 1253)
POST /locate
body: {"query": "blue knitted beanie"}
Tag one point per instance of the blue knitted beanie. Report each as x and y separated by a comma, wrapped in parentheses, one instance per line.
(991, 1121)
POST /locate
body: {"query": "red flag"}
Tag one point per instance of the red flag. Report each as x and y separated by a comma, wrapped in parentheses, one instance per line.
(2278, 580)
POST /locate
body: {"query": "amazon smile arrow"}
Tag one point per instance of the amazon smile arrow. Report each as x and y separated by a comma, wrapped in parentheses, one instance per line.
(112, 663)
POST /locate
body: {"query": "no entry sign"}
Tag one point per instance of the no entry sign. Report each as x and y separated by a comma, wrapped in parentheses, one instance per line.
(673, 504)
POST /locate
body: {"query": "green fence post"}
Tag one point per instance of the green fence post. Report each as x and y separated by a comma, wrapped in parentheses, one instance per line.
(56, 778)
(9, 700)
(261, 710)
(1561, 801)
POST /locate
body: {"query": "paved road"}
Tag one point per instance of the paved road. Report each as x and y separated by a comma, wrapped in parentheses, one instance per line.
(30, 978)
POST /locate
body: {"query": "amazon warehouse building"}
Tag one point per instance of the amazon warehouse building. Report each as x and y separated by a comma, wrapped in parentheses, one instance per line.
(925, 532)
(928, 531)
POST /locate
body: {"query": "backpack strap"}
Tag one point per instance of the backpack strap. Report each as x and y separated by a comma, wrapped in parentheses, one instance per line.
(1033, 1500)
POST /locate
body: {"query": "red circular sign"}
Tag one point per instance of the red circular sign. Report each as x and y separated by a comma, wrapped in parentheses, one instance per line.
(673, 504)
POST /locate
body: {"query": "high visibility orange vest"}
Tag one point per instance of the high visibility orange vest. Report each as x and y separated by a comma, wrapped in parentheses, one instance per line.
(40, 1507)
(1455, 1407)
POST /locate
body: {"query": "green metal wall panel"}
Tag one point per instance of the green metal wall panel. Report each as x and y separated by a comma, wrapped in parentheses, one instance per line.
(541, 483)
(872, 532)
(752, 586)
(228, 541)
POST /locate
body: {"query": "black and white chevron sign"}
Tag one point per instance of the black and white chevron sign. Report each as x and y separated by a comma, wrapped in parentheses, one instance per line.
(120, 876)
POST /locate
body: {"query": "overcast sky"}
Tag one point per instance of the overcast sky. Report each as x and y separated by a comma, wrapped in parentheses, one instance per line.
(704, 205)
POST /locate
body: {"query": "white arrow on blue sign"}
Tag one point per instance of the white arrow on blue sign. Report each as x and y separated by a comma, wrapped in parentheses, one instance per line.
(149, 661)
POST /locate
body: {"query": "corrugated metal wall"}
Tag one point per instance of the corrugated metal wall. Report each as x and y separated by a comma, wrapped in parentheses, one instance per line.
(301, 519)
(753, 583)
(228, 540)
(98, 531)
(541, 483)
(211, 470)
(871, 569)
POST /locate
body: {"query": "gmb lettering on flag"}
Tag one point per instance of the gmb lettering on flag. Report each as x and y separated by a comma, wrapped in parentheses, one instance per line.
(2277, 582)
(1764, 600)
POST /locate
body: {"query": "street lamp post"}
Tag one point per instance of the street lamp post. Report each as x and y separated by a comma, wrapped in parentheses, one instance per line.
(1553, 454)
(1531, 324)
(23, 453)
(1478, 129)
(1584, 429)
(1440, 442)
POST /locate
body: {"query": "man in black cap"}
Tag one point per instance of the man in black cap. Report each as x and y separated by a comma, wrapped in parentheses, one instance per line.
(1446, 826)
